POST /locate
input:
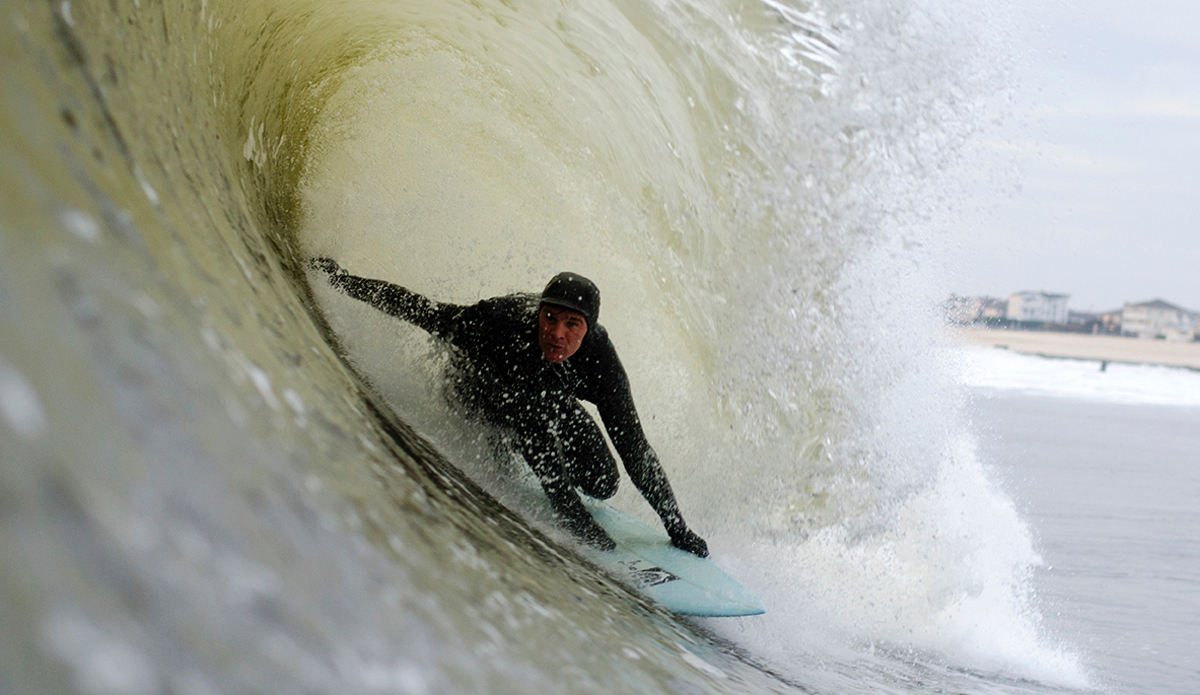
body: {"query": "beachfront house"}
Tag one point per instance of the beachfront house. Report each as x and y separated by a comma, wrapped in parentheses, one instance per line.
(967, 310)
(964, 311)
(961, 310)
(1037, 307)
(1158, 319)
(992, 309)
(1083, 321)
(1110, 321)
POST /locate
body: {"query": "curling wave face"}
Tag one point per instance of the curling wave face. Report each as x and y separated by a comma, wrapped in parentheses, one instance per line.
(199, 493)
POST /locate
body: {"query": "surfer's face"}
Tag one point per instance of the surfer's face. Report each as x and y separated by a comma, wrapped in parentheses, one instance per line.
(560, 332)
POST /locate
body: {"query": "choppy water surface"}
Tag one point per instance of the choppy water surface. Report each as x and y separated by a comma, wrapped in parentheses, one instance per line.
(1108, 480)
(201, 494)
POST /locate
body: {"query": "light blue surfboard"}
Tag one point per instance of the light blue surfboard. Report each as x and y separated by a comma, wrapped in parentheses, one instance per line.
(675, 578)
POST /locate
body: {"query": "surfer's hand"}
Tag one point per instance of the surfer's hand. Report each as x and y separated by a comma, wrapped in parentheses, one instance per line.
(325, 265)
(686, 539)
(597, 538)
(586, 529)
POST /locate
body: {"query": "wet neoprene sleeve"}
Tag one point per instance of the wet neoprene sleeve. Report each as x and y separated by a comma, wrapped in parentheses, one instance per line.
(433, 317)
(611, 393)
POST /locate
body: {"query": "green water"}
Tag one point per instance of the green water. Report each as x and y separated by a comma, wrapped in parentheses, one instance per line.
(211, 480)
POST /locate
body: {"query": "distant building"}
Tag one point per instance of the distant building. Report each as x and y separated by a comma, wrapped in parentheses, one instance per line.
(1037, 307)
(992, 309)
(1083, 322)
(1110, 321)
(1158, 319)
(961, 310)
(966, 310)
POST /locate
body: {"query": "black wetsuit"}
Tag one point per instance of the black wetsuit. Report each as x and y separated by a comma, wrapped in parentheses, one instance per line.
(500, 374)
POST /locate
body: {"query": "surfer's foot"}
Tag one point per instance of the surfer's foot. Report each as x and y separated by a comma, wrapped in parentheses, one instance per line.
(685, 539)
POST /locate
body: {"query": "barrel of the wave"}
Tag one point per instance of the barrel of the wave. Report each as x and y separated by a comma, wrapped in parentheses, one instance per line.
(525, 363)
(680, 581)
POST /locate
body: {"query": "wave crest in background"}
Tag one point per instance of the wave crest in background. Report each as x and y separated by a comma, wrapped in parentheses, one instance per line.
(734, 175)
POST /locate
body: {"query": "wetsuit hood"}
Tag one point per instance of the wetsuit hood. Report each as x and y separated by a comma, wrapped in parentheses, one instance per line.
(576, 293)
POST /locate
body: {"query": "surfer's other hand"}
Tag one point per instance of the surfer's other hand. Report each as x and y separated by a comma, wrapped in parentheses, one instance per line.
(686, 539)
(325, 265)
(598, 539)
(585, 528)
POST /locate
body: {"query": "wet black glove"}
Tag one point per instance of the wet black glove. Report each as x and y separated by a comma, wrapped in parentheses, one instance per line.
(599, 539)
(338, 277)
(326, 265)
(684, 539)
(585, 528)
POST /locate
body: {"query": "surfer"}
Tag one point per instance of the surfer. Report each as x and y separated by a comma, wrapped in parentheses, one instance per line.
(522, 363)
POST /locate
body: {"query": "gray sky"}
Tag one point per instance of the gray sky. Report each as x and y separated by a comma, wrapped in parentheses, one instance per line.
(1105, 139)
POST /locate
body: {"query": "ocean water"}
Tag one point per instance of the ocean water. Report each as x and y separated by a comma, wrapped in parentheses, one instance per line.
(218, 476)
(1103, 467)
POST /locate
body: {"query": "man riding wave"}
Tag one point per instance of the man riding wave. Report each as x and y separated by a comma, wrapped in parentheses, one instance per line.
(522, 363)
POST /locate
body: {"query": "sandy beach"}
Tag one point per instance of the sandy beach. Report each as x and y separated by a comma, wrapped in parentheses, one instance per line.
(1083, 346)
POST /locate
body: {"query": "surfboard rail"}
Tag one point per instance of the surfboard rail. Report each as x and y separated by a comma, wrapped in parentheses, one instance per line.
(680, 581)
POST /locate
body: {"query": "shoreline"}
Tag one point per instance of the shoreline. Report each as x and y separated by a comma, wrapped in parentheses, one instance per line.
(1081, 346)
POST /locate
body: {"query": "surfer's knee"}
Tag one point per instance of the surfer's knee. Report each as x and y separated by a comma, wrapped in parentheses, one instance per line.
(600, 483)
(606, 488)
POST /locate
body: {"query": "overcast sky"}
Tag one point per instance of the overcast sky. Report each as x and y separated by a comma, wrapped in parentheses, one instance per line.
(1105, 137)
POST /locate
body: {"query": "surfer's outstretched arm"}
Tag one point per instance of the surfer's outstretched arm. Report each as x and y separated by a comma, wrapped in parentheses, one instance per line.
(436, 318)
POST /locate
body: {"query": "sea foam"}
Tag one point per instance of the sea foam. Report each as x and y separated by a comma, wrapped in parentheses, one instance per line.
(1091, 380)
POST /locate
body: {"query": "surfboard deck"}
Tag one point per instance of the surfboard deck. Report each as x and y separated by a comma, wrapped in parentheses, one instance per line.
(675, 578)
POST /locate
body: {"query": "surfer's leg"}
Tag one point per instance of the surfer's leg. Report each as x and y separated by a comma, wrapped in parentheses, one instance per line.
(589, 463)
(541, 448)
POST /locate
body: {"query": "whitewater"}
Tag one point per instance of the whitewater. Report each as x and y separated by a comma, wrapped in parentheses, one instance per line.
(220, 476)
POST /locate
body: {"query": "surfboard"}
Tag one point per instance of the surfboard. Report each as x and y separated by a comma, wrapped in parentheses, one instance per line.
(675, 578)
